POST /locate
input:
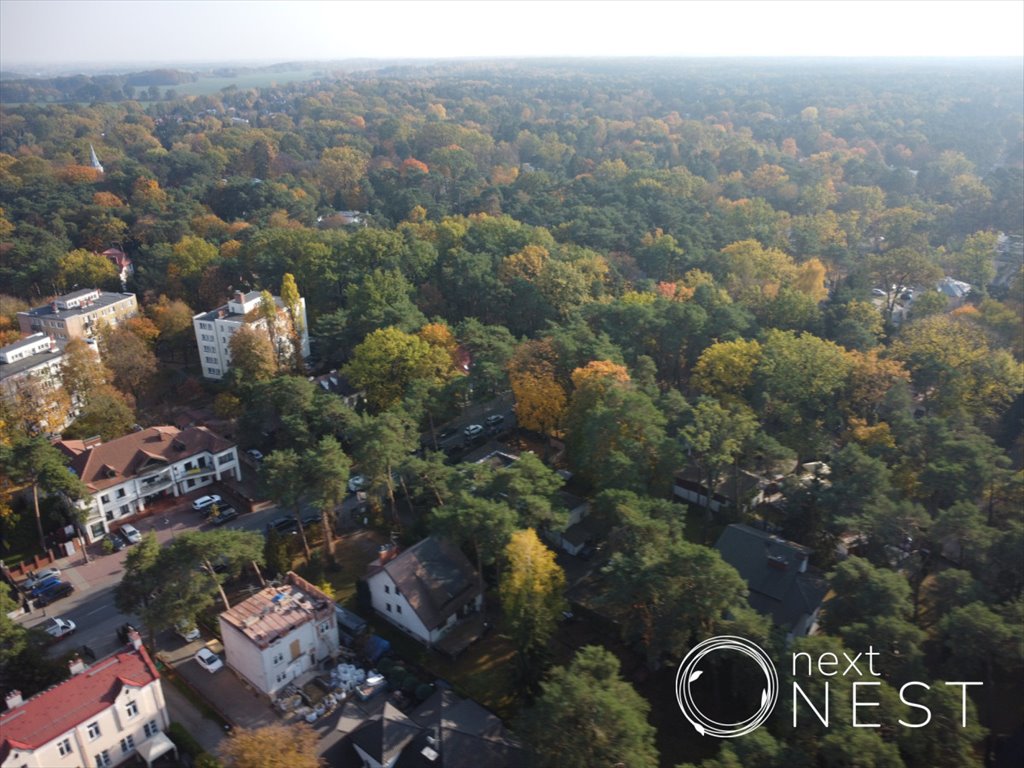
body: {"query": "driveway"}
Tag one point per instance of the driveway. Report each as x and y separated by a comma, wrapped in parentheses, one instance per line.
(223, 690)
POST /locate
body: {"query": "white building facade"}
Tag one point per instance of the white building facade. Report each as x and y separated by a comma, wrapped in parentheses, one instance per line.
(124, 474)
(30, 368)
(279, 634)
(102, 715)
(215, 328)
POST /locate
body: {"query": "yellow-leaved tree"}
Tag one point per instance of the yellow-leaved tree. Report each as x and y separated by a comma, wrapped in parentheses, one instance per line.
(532, 586)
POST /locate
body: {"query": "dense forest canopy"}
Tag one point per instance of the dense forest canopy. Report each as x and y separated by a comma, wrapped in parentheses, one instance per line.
(725, 265)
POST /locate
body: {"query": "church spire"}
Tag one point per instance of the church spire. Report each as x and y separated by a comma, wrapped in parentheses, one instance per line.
(95, 160)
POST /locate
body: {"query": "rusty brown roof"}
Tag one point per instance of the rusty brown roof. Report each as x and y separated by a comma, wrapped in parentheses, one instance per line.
(274, 612)
(108, 464)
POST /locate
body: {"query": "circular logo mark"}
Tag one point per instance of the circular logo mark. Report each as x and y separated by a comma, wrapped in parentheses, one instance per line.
(688, 673)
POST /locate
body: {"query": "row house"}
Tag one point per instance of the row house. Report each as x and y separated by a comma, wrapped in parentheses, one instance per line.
(124, 474)
(79, 315)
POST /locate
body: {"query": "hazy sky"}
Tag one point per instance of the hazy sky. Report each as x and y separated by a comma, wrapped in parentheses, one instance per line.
(100, 31)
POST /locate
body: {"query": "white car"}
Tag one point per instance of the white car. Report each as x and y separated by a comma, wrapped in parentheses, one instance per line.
(255, 455)
(473, 430)
(39, 577)
(188, 631)
(205, 501)
(131, 534)
(57, 627)
(208, 660)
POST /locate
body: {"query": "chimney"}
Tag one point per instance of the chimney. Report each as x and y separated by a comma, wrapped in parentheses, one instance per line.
(14, 700)
(386, 552)
(135, 639)
(76, 666)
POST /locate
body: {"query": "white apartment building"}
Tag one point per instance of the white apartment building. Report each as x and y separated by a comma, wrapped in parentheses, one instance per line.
(279, 634)
(103, 715)
(30, 368)
(215, 328)
(124, 474)
(79, 315)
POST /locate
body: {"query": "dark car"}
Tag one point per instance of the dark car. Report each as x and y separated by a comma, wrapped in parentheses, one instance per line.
(116, 541)
(224, 516)
(42, 585)
(283, 525)
(312, 519)
(54, 593)
(123, 632)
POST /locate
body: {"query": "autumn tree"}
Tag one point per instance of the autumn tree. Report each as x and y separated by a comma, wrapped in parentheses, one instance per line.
(531, 590)
(128, 357)
(272, 746)
(252, 354)
(540, 398)
(388, 360)
(725, 370)
(84, 269)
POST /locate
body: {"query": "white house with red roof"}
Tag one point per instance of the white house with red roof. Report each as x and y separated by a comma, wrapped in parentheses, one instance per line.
(121, 262)
(101, 716)
(124, 474)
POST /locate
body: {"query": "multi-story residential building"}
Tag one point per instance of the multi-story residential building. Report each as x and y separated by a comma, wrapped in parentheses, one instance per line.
(102, 716)
(124, 474)
(78, 315)
(30, 382)
(215, 328)
(426, 590)
(279, 634)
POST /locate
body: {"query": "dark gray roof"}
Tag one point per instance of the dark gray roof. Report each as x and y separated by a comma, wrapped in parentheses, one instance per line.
(104, 299)
(464, 735)
(435, 578)
(7, 370)
(771, 566)
(383, 738)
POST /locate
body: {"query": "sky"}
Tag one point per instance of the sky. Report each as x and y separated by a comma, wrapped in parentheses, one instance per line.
(94, 32)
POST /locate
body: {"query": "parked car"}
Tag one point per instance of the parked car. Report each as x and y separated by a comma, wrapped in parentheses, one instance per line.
(312, 519)
(494, 422)
(205, 502)
(54, 593)
(42, 585)
(117, 541)
(57, 627)
(131, 534)
(225, 515)
(208, 660)
(39, 576)
(356, 483)
(473, 430)
(283, 525)
(255, 455)
(877, 292)
(188, 631)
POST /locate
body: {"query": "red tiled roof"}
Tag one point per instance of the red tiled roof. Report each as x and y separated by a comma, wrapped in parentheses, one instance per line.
(112, 463)
(57, 710)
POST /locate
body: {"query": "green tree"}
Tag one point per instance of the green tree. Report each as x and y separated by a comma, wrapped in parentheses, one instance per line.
(106, 413)
(128, 357)
(389, 360)
(484, 525)
(286, 482)
(327, 468)
(588, 716)
(85, 269)
(863, 592)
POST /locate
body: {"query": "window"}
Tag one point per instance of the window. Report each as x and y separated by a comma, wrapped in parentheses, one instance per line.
(127, 745)
(105, 498)
(103, 759)
(225, 458)
(387, 590)
(93, 729)
(212, 360)
(398, 607)
(120, 493)
(124, 510)
(209, 348)
(388, 606)
(151, 729)
(278, 658)
(64, 747)
(132, 708)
